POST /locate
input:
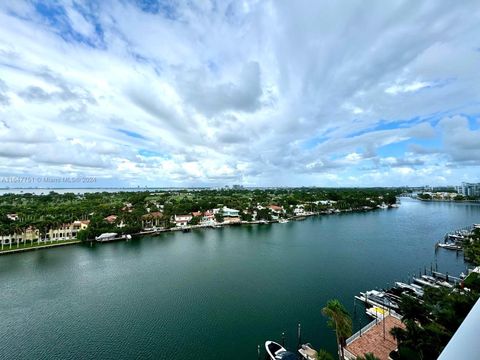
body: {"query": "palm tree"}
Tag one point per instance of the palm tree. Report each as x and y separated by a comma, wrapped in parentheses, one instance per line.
(340, 321)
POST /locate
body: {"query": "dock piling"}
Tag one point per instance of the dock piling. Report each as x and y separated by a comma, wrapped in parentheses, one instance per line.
(299, 335)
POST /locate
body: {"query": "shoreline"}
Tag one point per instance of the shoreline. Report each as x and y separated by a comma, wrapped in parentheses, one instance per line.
(449, 201)
(192, 227)
(37, 247)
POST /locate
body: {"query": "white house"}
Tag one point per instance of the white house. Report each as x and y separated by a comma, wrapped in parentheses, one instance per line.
(299, 210)
(227, 212)
(182, 220)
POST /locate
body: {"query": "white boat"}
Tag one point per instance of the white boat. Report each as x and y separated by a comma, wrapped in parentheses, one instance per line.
(476, 226)
(429, 278)
(283, 221)
(377, 298)
(450, 246)
(308, 352)
(277, 352)
(417, 290)
(445, 284)
(425, 283)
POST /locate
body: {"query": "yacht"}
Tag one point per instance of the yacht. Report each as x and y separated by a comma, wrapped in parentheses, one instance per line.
(283, 221)
(450, 246)
(277, 352)
(425, 283)
(417, 290)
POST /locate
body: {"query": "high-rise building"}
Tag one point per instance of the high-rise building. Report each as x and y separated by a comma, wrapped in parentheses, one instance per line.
(469, 189)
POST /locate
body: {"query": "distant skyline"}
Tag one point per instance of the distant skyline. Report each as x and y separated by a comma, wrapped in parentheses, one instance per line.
(256, 93)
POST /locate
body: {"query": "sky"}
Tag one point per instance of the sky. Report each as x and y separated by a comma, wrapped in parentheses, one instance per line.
(257, 93)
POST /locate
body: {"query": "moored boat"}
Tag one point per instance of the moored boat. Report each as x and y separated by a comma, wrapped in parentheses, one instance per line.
(450, 246)
(417, 290)
(425, 283)
(277, 352)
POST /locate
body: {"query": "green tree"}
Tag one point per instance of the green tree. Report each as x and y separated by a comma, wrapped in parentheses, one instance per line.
(195, 220)
(367, 356)
(339, 320)
(219, 217)
(324, 355)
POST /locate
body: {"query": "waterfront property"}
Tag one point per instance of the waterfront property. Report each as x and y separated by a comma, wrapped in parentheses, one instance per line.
(154, 219)
(182, 220)
(227, 212)
(67, 231)
(33, 235)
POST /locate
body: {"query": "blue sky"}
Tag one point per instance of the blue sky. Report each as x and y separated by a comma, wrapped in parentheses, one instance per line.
(259, 93)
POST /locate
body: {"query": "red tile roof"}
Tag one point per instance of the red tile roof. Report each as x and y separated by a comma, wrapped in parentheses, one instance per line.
(275, 207)
(111, 218)
(153, 214)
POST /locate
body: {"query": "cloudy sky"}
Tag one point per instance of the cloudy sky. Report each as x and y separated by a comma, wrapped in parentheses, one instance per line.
(260, 93)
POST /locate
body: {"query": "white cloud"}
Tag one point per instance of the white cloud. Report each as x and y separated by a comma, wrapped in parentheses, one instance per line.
(406, 88)
(262, 92)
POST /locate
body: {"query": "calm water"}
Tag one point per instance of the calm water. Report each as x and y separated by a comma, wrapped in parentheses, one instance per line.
(214, 294)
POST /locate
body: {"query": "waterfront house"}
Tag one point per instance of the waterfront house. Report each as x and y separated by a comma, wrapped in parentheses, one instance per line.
(111, 219)
(227, 212)
(67, 231)
(182, 220)
(230, 216)
(299, 210)
(8, 240)
(152, 220)
(32, 234)
(276, 211)
(208, 218)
